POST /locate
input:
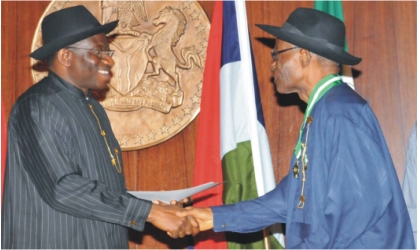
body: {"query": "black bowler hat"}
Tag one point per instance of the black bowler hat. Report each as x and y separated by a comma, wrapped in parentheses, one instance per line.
(315, 31)
(67, 26)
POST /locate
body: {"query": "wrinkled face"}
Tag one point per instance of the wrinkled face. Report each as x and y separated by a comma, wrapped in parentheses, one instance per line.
(88, 69)
(286, 68)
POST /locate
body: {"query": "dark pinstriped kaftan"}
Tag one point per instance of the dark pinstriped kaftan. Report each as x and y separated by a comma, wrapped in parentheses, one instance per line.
(61, 190)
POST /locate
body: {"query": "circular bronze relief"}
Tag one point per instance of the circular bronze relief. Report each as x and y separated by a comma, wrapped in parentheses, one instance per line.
(160, 50)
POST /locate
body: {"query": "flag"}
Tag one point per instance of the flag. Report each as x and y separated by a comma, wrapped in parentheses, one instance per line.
(3, 148)
(335, 8)
(246, 157)
(231, 137)
(208, 163)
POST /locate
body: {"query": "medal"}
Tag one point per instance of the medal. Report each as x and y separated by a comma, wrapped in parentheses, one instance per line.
(296, 170)
(300, 150)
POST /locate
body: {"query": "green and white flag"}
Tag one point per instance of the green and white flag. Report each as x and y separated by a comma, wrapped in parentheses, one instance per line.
(335, 8)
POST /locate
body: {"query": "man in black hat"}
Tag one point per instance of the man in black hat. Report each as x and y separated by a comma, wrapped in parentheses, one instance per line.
(64, 186)
(342, 190)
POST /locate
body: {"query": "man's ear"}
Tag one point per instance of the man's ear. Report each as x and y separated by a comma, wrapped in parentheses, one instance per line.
(64, 56)
(305, 57)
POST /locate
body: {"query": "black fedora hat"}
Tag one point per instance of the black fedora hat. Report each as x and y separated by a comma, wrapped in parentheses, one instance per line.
(67, 26)
(315, 31)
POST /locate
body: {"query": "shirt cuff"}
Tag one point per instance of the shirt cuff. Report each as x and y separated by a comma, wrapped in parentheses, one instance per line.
(223, 218)
(136, 214)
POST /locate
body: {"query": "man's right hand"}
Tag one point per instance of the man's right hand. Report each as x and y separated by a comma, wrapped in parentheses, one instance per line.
(204, 216)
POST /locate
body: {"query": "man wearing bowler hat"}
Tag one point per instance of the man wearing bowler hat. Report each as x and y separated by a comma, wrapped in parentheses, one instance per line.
(64, 186)
(342, 190)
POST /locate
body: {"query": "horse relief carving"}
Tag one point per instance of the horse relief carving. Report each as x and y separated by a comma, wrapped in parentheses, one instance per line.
(149, 61)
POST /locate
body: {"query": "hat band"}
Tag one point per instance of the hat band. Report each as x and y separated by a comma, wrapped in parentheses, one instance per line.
(292, 29)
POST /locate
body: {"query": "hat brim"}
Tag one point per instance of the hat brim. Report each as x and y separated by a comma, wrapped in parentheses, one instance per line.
(50, 48)
(312, 45)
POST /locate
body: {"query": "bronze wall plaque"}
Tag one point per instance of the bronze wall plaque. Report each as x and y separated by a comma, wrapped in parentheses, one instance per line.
(160, 50)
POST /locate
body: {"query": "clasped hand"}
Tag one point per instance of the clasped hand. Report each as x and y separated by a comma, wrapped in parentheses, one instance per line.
(178, 222)
(163, 216)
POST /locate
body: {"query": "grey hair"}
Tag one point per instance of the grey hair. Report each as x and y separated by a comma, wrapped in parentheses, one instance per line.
(327, 62)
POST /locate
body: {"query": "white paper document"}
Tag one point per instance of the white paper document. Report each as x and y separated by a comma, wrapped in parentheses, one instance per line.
(167, 196)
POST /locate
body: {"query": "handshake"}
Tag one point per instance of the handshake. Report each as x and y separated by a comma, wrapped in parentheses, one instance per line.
(178, 221)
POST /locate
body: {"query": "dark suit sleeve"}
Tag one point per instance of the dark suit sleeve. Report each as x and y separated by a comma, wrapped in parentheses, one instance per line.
(46, 145)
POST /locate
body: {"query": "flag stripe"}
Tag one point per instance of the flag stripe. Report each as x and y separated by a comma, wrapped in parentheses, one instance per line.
(249, 92)
(264, 176)
(207, 160)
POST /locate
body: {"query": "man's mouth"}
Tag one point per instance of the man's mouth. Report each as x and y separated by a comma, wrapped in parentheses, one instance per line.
(103, 72)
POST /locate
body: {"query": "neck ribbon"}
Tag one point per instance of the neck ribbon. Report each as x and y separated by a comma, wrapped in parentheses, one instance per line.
(320, 89)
